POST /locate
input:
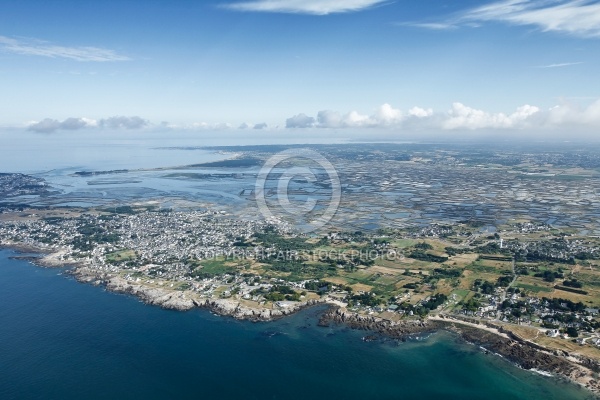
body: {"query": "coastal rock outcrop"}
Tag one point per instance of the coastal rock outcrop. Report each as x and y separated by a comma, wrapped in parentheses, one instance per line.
(164, 298)
(396, 330)
(236, 310)
(184, 300)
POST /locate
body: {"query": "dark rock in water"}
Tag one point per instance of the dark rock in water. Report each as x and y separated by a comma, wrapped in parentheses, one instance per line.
(390, 329)
(270, 334)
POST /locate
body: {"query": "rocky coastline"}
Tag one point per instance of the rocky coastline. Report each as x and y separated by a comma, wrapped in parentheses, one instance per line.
(525, 354)
(162, 297)
(184, 300)
(494, 339)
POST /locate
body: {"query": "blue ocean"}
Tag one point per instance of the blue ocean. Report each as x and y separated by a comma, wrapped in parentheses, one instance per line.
(60, 339)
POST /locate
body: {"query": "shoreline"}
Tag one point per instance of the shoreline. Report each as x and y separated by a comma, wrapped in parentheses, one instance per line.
(524, 354)
(495, 339)
(167, 299)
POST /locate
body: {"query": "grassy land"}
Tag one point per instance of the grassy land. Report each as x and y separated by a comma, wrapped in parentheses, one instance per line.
(214, 267)
(120, 256)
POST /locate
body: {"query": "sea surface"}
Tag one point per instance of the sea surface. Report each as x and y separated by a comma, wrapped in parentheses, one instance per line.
(60, 339)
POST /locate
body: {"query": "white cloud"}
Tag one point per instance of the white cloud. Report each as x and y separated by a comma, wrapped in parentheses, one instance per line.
(202, 126)
(560, 65)
(464, 117)
(574, 17)
(44, 126)
(300, 121)
(355, 119)
(436, 26)
(331, 119)
(459, 117)
(34, 47)
(123, 122)
(420, 112)
(313, 7)
(386, 115)
(49, 125)
(572, 115)
(577, 17)
(262, 125)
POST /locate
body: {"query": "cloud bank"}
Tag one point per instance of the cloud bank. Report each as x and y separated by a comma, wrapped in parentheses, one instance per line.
(123, 123)
(565, 118)
(300, 121)
(34, 47)
(458, 117)
(311, 7)
(49, 125)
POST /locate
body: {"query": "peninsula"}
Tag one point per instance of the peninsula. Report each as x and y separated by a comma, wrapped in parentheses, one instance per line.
(526, 292)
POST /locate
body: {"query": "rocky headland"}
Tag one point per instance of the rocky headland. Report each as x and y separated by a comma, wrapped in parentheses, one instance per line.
(186, 300)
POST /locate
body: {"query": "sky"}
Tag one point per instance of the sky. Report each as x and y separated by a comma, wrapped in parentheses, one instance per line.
(392, 66)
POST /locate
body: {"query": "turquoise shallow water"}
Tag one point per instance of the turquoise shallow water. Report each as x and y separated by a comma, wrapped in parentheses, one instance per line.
(62, 339)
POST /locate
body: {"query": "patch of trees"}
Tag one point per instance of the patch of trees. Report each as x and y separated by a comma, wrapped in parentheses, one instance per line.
(471, 305)
(504, 281)
(474, 223)
(448, 273)
(522, 271)
(572, 290)
(281, 293)
(82, 244)
(452, 251)
(367, 299)
(416, 310)
(423, 256)
(301, 268)
(318, 286)
(491, 248)
(484, 286)
(572, 332)
(549, 276)
(92, 234)
(423, 246)
(435, 301)
(574, 283)
(549, 325)
(516, 308)
(538, 256)
(586, 255)
(564, 305)
(124, 210)
(381, 241)
(272, 239)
